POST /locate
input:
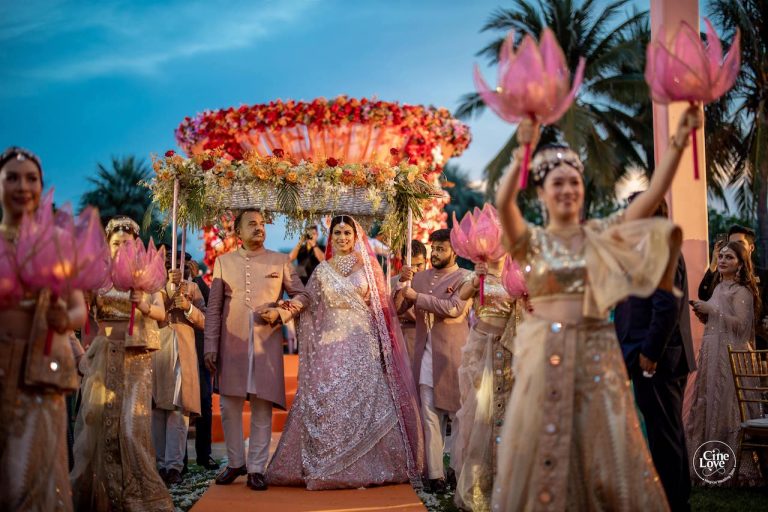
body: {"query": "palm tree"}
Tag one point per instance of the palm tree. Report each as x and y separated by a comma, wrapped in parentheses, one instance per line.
(611, 119)
(741, 116)
(118, 190)
(463, 197)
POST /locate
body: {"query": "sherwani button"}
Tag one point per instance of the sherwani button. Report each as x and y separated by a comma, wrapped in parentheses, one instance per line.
(555, 360)
(545, 497)
(550, 429)
(556, 327)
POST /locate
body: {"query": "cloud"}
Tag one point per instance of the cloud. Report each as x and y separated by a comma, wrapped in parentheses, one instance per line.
(76, 41)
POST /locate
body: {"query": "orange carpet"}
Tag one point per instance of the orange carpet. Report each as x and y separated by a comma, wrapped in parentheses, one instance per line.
(238, 498)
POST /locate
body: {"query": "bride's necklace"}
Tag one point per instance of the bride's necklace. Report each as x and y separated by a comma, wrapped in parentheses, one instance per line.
(344, 263)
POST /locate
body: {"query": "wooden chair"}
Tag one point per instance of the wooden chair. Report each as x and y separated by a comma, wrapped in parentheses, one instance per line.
(750, 376)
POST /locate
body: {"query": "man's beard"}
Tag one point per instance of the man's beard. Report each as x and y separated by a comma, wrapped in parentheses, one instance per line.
(440, 263)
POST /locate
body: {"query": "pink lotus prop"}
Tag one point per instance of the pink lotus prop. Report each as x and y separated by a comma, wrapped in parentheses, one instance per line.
(10, 286)
(478, 238)
(46, 248)
(135, 268)
(533, 82)
(61, 253)
(512, 279)
(688, 70)
(92, 260)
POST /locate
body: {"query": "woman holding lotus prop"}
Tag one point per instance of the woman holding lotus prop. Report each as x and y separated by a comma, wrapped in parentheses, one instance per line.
(114, 460)
(571, 438)
(33, 380)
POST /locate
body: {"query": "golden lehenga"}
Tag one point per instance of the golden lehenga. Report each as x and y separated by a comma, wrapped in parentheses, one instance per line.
(485, 382)
(571, 438)
(33, 431)
(114, 459)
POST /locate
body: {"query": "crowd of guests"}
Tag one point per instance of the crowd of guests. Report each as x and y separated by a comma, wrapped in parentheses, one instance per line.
(528, 394)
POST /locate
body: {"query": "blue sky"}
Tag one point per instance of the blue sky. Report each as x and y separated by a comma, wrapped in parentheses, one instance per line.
(82, 81)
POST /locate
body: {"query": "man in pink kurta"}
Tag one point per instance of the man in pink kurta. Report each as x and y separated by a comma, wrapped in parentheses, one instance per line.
(407, 318)
(244, 343)
(442, 328)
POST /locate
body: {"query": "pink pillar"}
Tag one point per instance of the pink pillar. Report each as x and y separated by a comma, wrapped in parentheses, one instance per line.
(687, 197)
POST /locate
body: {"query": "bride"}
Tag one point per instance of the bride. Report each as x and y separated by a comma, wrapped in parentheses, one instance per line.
(354, 421)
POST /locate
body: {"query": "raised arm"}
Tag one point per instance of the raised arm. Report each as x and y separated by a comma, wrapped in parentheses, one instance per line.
(295, 251)
(647, 202)
(511, 218)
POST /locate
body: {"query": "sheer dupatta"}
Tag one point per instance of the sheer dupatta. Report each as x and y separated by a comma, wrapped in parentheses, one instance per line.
(397, 367)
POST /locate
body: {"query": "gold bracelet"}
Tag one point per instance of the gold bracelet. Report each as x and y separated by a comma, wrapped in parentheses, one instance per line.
(678, 146)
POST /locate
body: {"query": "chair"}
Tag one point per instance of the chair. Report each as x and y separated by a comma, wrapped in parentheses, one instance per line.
(750, 377)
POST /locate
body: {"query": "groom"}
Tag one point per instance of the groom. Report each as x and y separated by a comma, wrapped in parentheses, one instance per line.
(244, 343)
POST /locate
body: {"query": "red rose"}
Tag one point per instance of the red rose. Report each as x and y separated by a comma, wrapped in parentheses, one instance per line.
(413, 160)
(235, 153)
(207, 165)
(331, 162)
(279, 153)
(394, 151)
(170, 153)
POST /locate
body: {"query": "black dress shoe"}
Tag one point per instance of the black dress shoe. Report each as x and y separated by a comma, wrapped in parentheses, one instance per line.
(173, 477)
(208, 463)
(437, 485)
(256, 482)
(450, 480)
(229, 475)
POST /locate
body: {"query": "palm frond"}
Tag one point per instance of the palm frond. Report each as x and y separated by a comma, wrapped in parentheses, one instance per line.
(470, 105)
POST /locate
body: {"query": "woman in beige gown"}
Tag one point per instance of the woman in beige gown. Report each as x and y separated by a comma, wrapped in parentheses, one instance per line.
(485, 382)
(33, 415)
(114, 460)
(729, 316)
(571, 439)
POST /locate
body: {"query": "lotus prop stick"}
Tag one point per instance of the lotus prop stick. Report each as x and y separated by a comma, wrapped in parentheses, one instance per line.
(689, 70)
(478, 238)
(533, 82)
(135, 268)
